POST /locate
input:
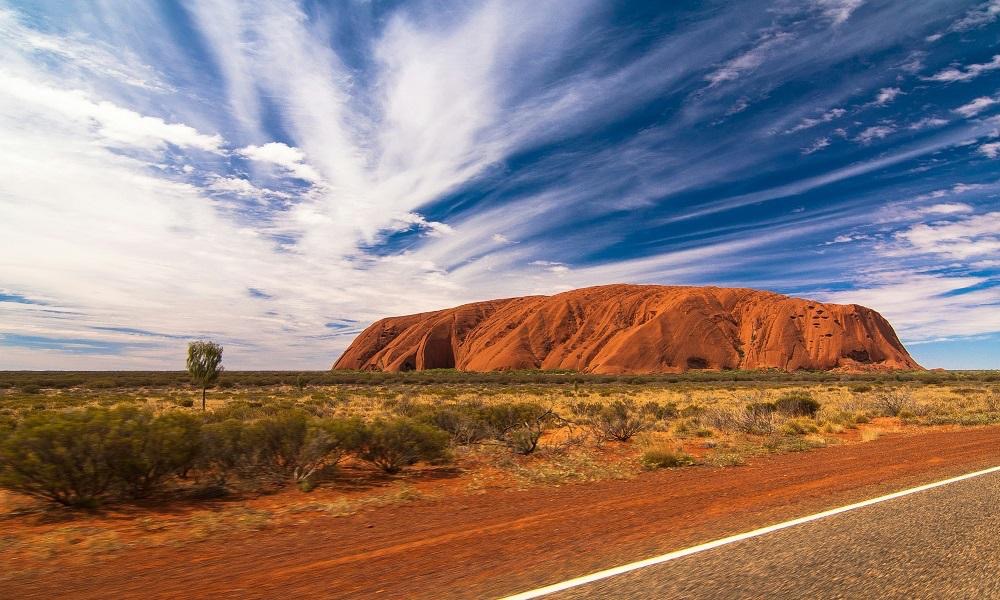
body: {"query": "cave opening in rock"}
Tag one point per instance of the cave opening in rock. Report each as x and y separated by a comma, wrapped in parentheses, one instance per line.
(697, 362)
(860, 356)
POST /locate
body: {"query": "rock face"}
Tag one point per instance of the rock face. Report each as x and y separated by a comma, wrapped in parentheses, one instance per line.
(634, 329)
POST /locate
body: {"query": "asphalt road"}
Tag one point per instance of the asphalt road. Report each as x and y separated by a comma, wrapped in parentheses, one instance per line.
(939, 543)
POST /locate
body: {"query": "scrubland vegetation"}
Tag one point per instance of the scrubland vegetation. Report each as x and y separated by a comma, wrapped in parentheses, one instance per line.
(98, 462)
(85, 440)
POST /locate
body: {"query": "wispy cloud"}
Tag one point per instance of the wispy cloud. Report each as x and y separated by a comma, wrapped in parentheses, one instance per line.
(838, 11)
(966, 73)
(927, 123)
(291, 159)
(947, 208)
(976, 106)
(961, 238)
(923, 306)
(875, 132)
(101, 60)
(981, 15)
(887, 95)
(817, 145)
(113, 124)
(991, 150)
(749, 59)
(809, 122)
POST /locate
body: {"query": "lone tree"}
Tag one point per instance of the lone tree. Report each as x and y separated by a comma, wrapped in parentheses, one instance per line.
(204, 364)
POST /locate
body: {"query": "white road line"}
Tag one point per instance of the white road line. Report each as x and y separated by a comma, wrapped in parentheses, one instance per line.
(571, 583)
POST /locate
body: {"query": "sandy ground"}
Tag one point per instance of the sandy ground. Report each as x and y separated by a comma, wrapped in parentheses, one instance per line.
(502, 541)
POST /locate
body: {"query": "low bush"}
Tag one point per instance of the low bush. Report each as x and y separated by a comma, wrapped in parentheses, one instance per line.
(61, 457)
(584, 409)
(797, 404)
(756, 418)
(660, 412)
(892, 401)
(519, 425)
(80, 458)
(619, 421)
(799, 426)
(665, 458)
(397, 443)
(143, 450)
(992, 400)
(226, 448)
(291, 445)
(465, 423)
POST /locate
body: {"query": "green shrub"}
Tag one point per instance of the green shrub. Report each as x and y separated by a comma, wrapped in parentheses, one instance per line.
(992, 400)
(144, 449)
(466, 424)
(80, 458)
(392, 445)
(664, 458)
(619, 421)
(660, 412)
(524, 440)
(585, 409)
(756, 418)
(292, 445)
(892, 401)
(62, 457)
(764, 408)
(519, 425)
(799, 426)
(226, 447)
(797, 404)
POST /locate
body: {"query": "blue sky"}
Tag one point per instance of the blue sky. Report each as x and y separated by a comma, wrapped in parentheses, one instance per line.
(277, 175)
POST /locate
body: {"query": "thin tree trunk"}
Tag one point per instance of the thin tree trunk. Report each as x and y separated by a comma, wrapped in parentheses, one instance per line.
(203, 398)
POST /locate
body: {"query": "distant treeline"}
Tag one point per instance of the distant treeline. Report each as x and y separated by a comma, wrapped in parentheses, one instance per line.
(38, 380)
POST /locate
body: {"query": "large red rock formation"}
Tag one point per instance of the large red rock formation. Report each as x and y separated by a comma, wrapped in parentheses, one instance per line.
(634, 329)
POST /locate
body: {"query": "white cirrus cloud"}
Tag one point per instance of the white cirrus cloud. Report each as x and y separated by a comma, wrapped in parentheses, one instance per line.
(749, 59)
(975, 107)
(960, 239)
(875, 132)
(966, 73)
(551, 266)
(991, 150)
(984, 14)
(887, 95)
(101, 60)
(242, 187)
(947, 208)
(816, 146)
(839, 11)
(291, 159)
(922, 306)
(114, 125)
(808, 122)
(430, 228)
(927, 123)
